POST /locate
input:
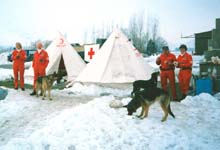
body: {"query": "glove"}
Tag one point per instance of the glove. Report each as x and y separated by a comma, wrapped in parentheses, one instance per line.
(18, 56)
(41, 60)
(169, 63)
(158, 61)
(175, 63)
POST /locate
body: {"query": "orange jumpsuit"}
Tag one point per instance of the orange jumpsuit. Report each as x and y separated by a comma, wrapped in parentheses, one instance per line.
(185, 65)
(18, 58)
(40, 62)
(167, 72)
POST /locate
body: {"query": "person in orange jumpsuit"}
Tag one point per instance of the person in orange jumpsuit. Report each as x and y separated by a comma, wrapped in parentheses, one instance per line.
(166, 61)
(184, 62)
(18, 58)
(40, 62)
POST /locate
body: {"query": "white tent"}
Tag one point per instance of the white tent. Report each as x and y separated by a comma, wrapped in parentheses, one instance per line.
(61, 52)
(116, 62)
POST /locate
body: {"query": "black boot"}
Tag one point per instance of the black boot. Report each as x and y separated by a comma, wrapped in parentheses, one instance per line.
(33, 93)
(183, 97)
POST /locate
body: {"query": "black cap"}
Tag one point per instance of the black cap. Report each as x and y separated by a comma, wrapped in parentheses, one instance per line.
(165, 48)
(183, 46)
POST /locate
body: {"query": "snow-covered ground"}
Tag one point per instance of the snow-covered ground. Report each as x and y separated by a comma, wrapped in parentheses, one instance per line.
(5, 74)
(22, 114)
(3, 58)
(79, 118)
(28, 123)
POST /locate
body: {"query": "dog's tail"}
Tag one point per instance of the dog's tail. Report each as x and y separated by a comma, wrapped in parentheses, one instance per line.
(170, 112)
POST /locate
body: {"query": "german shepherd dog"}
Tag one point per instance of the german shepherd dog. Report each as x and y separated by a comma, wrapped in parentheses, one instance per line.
(145, 84)
(146, 98)
(44, 84)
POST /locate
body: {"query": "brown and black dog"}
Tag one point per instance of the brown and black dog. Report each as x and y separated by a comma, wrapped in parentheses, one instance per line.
(146, 98)
(44, 84)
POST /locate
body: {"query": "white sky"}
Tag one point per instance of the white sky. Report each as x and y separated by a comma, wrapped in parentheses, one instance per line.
(29, 20)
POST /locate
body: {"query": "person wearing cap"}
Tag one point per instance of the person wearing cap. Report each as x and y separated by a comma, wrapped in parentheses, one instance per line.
(40, 62)
(18, 58)
(166, 62)
(184, 62)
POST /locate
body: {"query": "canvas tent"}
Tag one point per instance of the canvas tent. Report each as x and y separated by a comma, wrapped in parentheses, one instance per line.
(116, 62)
(62, 56)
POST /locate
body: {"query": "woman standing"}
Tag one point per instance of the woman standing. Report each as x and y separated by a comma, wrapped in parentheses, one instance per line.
(18, 58)
(184, 62)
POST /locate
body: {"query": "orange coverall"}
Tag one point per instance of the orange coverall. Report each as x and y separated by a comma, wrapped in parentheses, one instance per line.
(167, 72)
(185, 65)
(18, 58)
(40, 62)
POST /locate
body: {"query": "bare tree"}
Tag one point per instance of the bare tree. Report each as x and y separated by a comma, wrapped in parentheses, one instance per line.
(143, 32)
(137, 32)
(45, 43)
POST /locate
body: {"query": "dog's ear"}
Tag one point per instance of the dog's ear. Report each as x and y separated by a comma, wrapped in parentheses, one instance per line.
(125, 106)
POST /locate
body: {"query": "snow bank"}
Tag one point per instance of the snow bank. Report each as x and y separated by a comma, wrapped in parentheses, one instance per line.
(97, 126)
(4, 58)
(6, 74)
(96, 90)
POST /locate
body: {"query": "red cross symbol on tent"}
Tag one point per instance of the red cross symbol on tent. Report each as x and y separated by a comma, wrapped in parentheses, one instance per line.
(91, 53)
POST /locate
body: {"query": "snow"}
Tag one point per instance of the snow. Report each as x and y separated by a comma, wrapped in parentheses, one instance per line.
(97, 126)
(21, 114)
(80, 118)
(5, 74)
(4, 58)
(95, 90)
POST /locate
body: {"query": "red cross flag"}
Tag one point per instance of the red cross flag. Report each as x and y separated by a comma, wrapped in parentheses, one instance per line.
(90, 51)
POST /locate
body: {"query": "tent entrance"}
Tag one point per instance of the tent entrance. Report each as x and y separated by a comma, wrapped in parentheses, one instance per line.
(61, 70)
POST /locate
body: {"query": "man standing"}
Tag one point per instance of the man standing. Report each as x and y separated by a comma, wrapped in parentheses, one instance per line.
(40, 62)
(18, 58)
(184, 62)
(166, 61)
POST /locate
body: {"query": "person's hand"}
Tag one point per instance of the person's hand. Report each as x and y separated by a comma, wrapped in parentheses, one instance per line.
(175, 63)
(158, 61)
(17, 56)
(169, 63)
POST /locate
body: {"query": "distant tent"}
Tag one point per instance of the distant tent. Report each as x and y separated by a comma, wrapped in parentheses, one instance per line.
(63, 59)
(116, 62)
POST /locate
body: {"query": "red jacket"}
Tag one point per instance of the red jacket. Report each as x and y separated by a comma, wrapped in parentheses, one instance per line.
(184, 61)
(18, 57)
(40, 60)
(166, 61)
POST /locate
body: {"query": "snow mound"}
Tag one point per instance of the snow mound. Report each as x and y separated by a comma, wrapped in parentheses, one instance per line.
(6, 74)
(115, 104)
(96, 90)
(97, 126)
(4, 58)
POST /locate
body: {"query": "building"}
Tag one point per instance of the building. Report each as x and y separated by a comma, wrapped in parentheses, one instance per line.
(208, 43)
(201, 42)
(209, 40)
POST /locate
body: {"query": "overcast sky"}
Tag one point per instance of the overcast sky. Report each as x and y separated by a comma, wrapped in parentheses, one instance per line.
(29, 20)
